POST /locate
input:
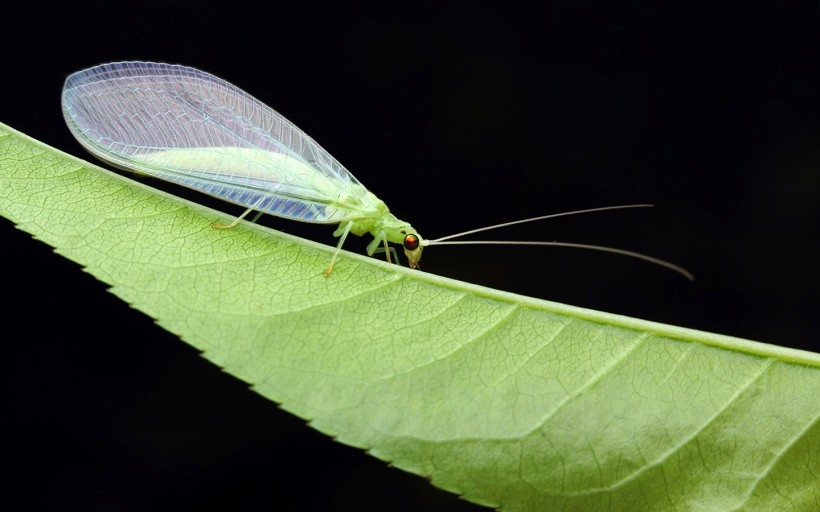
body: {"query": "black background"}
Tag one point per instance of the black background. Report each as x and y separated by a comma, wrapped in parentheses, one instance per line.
(457, 116)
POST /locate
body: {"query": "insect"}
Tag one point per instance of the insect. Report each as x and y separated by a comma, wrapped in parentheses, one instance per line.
(192, 128)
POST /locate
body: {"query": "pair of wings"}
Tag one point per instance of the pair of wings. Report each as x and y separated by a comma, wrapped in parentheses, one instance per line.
(192, 128)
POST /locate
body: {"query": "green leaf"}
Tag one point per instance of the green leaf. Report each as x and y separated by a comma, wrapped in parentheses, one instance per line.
(512, 402)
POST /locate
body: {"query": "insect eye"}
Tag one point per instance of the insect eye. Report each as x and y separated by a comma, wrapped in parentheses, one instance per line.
(411, 242)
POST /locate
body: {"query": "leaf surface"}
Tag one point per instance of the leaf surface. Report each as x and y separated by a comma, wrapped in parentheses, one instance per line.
(510, 401)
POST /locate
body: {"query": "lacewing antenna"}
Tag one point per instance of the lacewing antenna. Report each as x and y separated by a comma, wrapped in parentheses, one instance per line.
(448, 240)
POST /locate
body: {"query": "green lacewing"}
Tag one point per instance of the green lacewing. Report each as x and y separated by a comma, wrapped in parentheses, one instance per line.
(192, 128)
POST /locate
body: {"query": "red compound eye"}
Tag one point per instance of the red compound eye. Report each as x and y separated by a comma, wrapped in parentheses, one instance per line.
(411, 242)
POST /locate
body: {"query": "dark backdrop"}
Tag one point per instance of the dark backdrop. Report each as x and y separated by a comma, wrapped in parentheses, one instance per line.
(456, 116)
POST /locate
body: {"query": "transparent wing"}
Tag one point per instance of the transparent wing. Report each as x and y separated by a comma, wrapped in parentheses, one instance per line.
(192, 128)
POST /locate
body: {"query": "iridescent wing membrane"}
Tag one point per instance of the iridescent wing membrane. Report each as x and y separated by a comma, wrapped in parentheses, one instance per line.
(195, 129)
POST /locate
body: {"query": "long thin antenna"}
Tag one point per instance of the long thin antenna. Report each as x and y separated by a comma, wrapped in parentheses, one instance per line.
(685, 273)
(437, 241)
(447, 240)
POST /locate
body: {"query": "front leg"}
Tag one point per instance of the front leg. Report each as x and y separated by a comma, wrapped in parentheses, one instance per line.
(373, 247)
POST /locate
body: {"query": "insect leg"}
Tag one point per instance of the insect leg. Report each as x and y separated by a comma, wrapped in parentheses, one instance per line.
(244, 214)
(342, 232)
(234, 222)
(373, 247)
(390, 251)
